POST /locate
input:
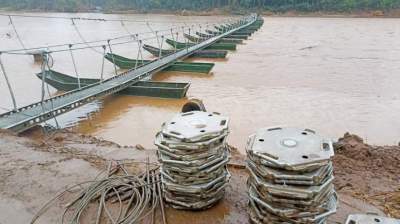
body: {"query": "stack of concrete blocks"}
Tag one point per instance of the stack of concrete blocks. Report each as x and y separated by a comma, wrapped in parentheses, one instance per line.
(291, 176)
(193, 154)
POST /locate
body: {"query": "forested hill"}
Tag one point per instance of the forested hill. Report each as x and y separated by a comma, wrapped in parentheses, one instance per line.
(201, 5)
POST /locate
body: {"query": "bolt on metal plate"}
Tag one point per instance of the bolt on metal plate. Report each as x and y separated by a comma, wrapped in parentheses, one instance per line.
(290, 148)
(195, 126)
(370, 219)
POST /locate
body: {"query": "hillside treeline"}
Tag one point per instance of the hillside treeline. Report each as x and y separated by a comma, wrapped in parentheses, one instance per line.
(199, 5)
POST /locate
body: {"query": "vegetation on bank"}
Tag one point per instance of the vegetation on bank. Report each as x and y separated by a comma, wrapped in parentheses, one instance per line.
(278, 6)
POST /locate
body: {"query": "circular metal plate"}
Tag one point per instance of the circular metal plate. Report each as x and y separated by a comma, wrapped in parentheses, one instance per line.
(290, 147)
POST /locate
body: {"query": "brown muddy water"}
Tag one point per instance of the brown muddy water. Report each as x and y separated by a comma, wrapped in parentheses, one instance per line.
(329, 74)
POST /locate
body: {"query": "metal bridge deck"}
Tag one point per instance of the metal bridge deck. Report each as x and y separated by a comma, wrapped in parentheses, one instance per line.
(31, 115)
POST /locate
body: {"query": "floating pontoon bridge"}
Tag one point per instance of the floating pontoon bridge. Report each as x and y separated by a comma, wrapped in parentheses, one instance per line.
(134, 80)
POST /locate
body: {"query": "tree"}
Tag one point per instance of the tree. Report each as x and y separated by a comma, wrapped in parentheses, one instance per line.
(273, 5)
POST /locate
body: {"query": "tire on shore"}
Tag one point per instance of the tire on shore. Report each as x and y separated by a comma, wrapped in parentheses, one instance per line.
(193, 105)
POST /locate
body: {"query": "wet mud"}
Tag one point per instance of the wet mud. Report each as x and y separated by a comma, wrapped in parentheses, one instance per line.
(33, 170)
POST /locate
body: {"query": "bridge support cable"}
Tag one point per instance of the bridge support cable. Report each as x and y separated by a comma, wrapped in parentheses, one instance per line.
(172, 36)
(82, 38)
(187, 42)
(125, 28)
(158, 43)
(45, 64)
(112, 57)
(183, 36)
(86, 18)
(161, 45)
(207, 25)
(194, 31)
(17, 34)
(102, 64)
(156, 34)
(175, 38)
(8, 84)
(137, 57)
(139, 54)
(44, 74)
(75, 68)
(198, 39)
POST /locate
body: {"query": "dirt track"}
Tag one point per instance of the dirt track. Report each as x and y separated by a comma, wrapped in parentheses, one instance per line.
(32, 171)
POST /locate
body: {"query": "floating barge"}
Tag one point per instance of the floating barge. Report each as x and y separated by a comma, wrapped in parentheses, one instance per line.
(219, 49)
(128, 63)
(198, 54)
(234, 36)
(222, 41)
(63, 82)
(216, 46)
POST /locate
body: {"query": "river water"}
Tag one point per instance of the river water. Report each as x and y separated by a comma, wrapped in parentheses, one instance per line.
(332, 75)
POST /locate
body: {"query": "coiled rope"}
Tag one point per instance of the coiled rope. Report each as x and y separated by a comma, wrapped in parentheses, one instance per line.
(137, 196)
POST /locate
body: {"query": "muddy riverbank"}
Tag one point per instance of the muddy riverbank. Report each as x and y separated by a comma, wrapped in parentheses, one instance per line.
(33, 169)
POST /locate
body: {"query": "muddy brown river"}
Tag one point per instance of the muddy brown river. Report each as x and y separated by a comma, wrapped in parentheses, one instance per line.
(332, 75)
